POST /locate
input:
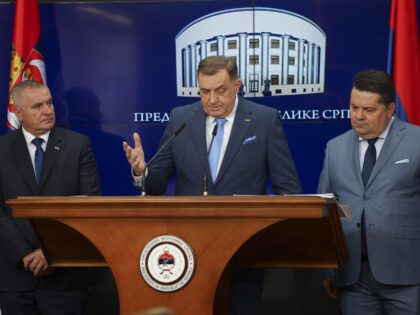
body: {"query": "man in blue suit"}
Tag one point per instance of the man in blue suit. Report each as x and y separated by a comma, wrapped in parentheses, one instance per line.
(375, 170)
(249, 147)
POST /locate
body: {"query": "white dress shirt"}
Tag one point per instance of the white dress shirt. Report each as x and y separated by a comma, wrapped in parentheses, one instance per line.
(363, 144)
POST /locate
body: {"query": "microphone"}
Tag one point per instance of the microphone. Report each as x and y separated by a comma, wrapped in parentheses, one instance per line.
(206, 162)
(176, 132)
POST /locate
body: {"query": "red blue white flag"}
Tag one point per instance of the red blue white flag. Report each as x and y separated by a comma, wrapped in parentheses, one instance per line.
(404, 59)
(27, 60)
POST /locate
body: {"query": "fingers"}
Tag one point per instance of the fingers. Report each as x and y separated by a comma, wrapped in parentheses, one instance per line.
(35, 262)
(135, 156)
(137, 142)
(330, 287)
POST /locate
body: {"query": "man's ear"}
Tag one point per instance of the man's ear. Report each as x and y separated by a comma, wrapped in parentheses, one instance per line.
(391, 109)
(18, 112)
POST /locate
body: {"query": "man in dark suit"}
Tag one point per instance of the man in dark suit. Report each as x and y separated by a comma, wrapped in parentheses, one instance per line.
(40, 160)
(374, 168)
(249, 147)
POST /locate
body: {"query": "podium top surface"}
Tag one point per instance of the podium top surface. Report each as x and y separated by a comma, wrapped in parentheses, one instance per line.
(172, 207)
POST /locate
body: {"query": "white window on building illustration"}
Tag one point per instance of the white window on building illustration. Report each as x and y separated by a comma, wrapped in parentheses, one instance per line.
(292, 45)
(274, 79)
(213, 47)
(232, 44)
(275, 43)
(254, 43)
(275, 60)
(291, 61)
(253, 86)
(253, 83)
(254, 60)
(291, 79)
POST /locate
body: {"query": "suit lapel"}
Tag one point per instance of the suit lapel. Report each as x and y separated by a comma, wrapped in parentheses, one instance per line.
(394, 137)
(356, 160)
(23, 160)
(51, 153)
(243, 119)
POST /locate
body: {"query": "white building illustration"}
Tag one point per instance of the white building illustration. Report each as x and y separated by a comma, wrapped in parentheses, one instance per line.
(278, 52)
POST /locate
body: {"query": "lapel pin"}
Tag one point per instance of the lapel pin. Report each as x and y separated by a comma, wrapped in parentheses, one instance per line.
(247, 119)
(57, 148)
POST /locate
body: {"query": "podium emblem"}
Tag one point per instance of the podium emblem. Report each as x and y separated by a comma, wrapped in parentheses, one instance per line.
(167, 263)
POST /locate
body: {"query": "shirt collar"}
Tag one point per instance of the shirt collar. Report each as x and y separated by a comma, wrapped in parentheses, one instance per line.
(29, 137)
(384, 133)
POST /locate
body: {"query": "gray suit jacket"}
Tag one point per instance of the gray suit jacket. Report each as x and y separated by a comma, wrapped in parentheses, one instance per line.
(69, 168)
(257, 150)
(391, 200)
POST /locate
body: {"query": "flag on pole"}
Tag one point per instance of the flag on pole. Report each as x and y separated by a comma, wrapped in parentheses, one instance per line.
(404, 59)
(27, 61)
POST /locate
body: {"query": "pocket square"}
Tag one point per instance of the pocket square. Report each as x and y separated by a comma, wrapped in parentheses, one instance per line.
(250, 140)
(402, 161)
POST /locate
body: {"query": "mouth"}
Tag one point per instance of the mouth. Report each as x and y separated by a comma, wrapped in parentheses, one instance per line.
(47, 120)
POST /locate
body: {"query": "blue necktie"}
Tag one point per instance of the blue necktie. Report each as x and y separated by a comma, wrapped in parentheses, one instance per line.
(215, 148)
(39, 157)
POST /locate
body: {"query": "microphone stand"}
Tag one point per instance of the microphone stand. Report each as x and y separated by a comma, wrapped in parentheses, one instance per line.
(206, 162)
(143, 180)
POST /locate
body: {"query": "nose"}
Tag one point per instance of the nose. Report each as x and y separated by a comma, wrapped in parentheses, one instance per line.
(47, 108)
(358, 114)
(212, 97)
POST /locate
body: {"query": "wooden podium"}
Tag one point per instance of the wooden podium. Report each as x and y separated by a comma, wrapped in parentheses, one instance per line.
(238, 231)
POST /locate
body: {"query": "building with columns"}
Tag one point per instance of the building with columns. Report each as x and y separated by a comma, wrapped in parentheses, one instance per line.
(278, 52)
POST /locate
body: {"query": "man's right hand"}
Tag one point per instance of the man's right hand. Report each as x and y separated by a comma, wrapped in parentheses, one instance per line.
(330, 287)
(36, 263)
(135, 156)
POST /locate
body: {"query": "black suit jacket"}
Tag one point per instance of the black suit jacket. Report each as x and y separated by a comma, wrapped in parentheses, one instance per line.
(69, 168)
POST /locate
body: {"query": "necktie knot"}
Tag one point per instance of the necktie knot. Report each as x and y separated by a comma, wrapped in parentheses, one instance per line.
(220, 121)
(372, 141)
(38, 142)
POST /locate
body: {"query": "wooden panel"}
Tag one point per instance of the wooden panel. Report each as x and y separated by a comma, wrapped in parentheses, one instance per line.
(263, 231)
(64, 246)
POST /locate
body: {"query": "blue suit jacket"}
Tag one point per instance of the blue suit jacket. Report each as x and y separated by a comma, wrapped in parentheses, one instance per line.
(246, 164)
(391, 200)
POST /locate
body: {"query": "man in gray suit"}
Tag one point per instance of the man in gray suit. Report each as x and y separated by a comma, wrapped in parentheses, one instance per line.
(375, 170)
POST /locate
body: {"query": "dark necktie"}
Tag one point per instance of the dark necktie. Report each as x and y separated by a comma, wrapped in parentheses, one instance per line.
(369, 161)
(39, 157)
(215, 149)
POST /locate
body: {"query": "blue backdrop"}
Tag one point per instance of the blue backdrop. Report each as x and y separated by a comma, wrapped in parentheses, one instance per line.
(107, 61)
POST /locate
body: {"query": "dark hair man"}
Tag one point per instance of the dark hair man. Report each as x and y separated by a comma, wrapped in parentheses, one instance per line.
(375, 170)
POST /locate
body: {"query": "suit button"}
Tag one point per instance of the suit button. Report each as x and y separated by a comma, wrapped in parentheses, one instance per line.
(358, 224)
